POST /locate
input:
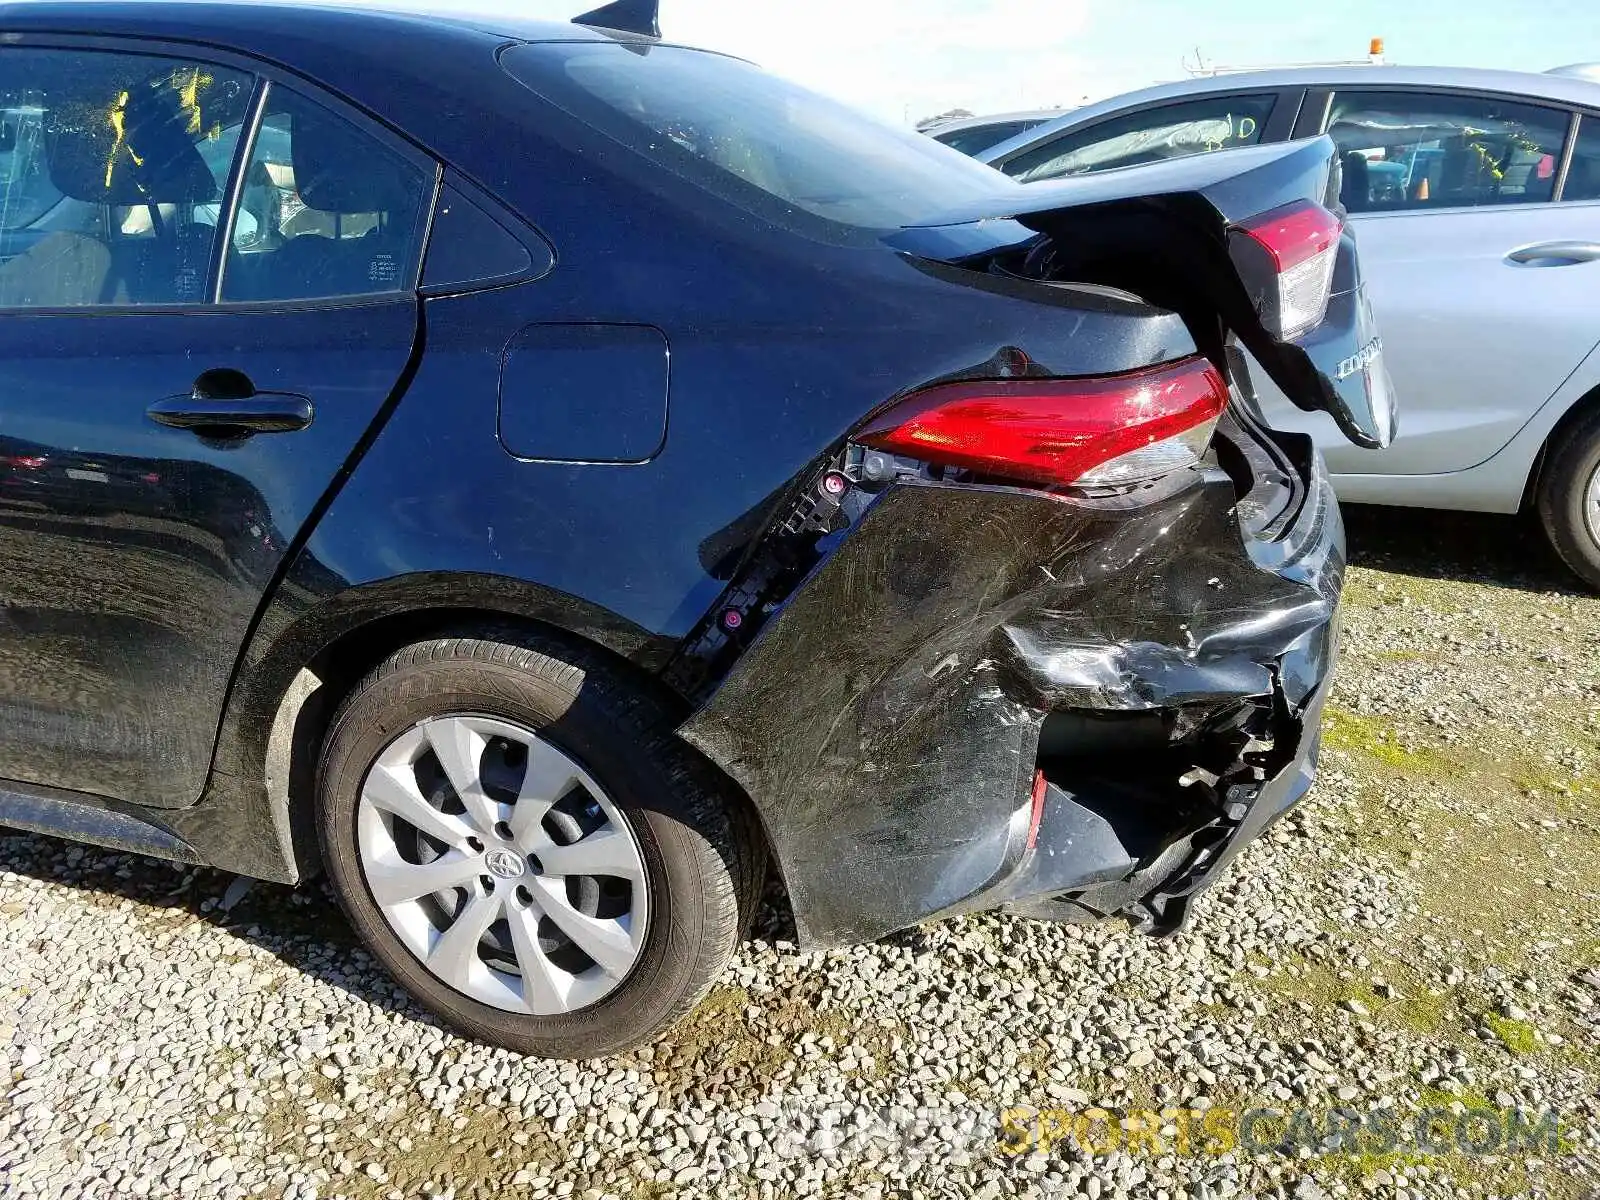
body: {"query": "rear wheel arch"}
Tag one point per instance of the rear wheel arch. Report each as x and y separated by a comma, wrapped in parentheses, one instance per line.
(346, 660)
(1568, 483)
(1580, 410)
(281, 708)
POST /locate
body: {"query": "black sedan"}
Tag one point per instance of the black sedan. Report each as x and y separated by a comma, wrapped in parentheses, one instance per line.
(540, 476)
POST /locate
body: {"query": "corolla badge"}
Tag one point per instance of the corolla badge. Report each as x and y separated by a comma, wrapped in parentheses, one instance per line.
(1360, 360)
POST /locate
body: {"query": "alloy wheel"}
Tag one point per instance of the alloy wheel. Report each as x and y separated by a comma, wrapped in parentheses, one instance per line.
(502, 865)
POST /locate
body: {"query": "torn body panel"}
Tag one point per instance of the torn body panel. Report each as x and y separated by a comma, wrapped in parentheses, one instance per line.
(890, 718)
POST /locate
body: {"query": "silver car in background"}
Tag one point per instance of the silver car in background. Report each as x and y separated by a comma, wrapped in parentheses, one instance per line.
(1476, 195)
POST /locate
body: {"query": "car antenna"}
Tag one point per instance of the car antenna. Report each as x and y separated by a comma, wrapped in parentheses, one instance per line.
(642, 17)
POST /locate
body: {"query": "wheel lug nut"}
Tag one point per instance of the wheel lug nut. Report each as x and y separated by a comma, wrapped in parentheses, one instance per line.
(475, 845)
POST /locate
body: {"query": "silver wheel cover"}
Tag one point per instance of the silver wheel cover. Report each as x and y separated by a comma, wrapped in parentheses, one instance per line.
(501, 865)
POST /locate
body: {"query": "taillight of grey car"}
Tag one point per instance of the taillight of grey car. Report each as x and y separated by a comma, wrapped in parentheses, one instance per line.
(549, 524)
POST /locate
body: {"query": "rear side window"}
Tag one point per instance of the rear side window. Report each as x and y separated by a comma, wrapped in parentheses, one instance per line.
(112, 169)
(1414, 150)
(327, 210)
(1148, 135)
(1583, 177)
(750, 137)
(976, 141)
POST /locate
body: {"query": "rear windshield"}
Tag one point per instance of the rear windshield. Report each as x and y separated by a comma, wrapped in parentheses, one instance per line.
(750, 137)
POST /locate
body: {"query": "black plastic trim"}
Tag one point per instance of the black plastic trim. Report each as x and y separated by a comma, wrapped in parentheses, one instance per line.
(1314, 111)
(1284, 116)
(88, 819)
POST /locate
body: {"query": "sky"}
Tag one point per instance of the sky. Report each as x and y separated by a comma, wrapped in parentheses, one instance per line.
(909, 59)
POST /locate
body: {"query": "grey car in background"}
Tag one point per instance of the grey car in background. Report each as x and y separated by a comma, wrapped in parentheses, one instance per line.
(1477, 199)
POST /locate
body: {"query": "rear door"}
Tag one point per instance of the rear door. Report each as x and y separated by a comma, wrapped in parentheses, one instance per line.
(1482, 280)
(208, 297)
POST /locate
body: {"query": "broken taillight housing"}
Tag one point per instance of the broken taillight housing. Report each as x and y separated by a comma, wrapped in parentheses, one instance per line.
(1096, 432)
(1287, 258)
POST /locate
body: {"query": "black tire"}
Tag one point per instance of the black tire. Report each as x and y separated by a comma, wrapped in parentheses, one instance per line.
(1562, 498)
(704, 859)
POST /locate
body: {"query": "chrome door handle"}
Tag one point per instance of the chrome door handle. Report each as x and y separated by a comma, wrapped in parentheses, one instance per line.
(1561, 253)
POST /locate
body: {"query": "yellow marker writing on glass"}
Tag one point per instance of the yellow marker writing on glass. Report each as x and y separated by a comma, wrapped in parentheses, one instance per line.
(116, 117)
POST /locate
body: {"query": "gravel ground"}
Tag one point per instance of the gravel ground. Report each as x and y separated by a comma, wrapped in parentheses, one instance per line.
(1423, 934)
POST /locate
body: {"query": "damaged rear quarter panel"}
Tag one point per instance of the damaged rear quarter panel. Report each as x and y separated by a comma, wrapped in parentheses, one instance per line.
(886, 721)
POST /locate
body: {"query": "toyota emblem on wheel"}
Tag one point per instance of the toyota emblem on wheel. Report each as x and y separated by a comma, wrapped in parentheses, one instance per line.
(507, 864)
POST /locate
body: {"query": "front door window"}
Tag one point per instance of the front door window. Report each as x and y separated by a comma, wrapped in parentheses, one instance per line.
(1415, 150)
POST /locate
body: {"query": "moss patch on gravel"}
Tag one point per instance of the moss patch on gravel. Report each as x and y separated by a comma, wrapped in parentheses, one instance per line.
(1405, 1000)
(716, 1038)
(1353, 732)
(734, 1043)
(1519, 1037)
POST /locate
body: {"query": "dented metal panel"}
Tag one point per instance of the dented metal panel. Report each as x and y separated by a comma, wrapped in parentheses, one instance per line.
(886, 721)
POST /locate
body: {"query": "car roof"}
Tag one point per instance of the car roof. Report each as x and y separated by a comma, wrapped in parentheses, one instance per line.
(223, 20)
(1583, 70)
(1559, 89)
(956, 124)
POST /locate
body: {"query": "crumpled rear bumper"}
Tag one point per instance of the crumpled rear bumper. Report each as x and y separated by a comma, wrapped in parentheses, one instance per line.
(1085, 863)
(1160, 661)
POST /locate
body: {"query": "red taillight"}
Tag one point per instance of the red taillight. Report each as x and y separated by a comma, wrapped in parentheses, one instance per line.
(28, 462)
(1061, 432)
(1299, 247)
(1294, 233)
